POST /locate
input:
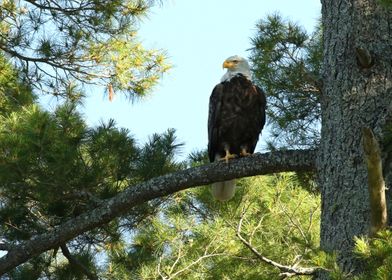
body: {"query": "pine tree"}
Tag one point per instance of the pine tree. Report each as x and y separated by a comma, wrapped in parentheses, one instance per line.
(340, 74)
(58, 168)
(287, 64)
(53, 167)
(195, 237)
(63, 44)
(354, 104)
(14, 93)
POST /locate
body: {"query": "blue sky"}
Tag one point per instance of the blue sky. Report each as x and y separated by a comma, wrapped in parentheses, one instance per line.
(197, 36)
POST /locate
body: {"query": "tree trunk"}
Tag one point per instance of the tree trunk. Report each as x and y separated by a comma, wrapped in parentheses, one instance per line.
(357, 93)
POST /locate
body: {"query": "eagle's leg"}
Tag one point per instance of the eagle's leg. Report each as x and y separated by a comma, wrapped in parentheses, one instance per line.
(244, 152)
(227, 156)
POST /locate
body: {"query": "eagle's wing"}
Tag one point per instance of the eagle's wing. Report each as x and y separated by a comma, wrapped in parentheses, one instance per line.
(214, 120)
(263, 105)
(253, 116)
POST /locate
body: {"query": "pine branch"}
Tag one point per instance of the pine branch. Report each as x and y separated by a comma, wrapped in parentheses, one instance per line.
(75, 262)
(194, 263)
(286, 271)
(88, 6)
(258, 164)
(207, 254)
(54, 62)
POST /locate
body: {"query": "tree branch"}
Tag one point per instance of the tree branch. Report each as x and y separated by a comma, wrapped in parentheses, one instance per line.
(376, 183)
(258, 164)
(54, 62)
(286, 271)
(207, 254)
(65, 10)
(75, 262)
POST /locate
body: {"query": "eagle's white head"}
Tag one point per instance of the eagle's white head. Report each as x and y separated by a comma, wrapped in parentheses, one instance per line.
(236, 65)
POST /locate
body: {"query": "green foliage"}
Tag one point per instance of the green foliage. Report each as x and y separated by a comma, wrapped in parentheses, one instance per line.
(376, 254)
(53, 167)
(157, 156)
(194, 237)
(39, 160)
(110, 153)
(328, 261)
(56, 43)
(31, 270)
(198, 157)
(287, 64)
(386, 3)
(65, 270)
(14, 93)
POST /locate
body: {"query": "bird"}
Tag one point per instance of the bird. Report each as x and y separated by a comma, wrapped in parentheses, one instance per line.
(236, 117)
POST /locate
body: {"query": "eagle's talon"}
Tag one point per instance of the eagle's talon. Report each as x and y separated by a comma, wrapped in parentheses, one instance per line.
(244, 153)
(228, 156)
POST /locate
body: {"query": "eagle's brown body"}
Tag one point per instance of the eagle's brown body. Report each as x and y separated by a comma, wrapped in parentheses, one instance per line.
(236, 117)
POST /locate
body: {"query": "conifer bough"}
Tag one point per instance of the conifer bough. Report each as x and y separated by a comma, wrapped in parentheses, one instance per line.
(258, 164)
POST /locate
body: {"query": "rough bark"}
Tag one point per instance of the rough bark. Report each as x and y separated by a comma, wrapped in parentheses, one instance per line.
(357, 93)
(258, 164)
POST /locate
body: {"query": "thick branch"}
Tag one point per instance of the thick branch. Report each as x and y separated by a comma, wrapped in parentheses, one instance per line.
(258, 164)
(376, 183)
(75, 262)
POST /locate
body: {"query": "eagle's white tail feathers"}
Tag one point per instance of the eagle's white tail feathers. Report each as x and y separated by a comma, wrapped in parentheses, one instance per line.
(223, 190)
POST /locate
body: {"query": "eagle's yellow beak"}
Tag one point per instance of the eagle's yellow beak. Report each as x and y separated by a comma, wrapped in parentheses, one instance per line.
(228, 64)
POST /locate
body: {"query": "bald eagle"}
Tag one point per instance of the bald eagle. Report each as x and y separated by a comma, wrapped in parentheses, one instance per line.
(236, 118)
